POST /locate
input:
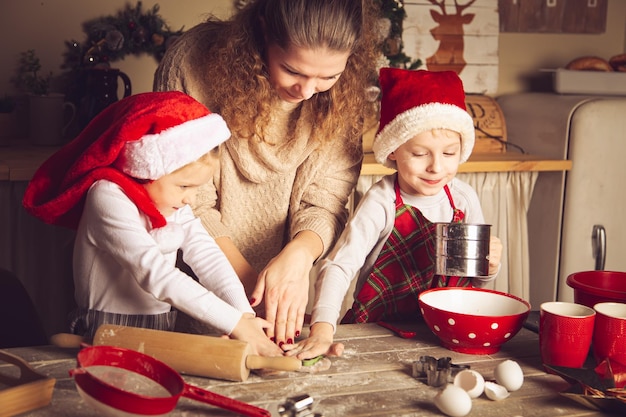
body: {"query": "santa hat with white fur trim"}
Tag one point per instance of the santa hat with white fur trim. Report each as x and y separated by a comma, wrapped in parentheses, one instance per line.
(144, 136)
(416, 101)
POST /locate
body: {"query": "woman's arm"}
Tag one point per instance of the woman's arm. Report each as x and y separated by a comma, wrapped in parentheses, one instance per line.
(322, 190)
(244, 270)
(284, 286)
(368, 227)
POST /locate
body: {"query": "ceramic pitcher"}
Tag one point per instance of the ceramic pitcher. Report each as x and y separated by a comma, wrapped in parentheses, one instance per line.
(50, 116)
(99, 89)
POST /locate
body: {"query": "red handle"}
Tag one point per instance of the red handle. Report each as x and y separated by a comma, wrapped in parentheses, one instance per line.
(208, 397)
(405, 334)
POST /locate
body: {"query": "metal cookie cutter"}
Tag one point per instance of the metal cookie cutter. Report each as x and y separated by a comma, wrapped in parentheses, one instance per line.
(438, 372)
(298, 406)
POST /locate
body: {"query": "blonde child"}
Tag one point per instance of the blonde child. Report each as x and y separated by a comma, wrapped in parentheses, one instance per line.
(126, 184)
(388, 245)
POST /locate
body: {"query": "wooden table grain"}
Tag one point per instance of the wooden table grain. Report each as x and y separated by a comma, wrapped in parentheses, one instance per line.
(372, 378)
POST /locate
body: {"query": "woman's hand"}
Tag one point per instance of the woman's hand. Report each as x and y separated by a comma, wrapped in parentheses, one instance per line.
(495, 254)
(283, 286)
(319, 342)
(251, 329)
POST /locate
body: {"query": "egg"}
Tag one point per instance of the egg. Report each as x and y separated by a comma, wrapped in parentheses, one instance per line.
(509, 374)
(471, 381)
(453, 401)
(495, 391)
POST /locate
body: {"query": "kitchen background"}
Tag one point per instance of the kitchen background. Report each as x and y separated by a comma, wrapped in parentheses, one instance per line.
(45, 25)
(513, 61)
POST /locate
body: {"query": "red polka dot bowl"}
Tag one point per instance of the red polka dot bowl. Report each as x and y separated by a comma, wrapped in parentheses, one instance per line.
(475, 321)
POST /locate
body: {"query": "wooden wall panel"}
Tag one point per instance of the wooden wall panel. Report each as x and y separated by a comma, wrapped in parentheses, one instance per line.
(480, 40)
(553, 16)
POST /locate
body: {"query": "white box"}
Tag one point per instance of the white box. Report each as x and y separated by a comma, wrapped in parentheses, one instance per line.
(589, 82)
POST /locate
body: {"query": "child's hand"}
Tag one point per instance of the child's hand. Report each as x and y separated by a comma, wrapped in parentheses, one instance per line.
(495, 254)
(250, 329)
(319, 342)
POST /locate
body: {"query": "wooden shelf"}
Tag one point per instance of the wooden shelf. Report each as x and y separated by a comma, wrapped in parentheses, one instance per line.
(19, 163)
(497, 162)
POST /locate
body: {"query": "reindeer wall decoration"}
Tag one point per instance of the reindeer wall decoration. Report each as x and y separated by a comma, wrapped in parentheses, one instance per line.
(449, 33)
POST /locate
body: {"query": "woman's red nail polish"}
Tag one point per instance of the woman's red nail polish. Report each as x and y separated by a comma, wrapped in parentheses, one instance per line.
(289, 341)
(280, 344)
(297, 333)
(273, 339)
(252, 300)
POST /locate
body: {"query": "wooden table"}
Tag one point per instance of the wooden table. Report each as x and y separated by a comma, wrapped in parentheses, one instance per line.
(372, 378)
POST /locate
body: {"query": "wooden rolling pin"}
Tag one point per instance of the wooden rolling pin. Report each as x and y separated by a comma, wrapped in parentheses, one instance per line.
(191, 354)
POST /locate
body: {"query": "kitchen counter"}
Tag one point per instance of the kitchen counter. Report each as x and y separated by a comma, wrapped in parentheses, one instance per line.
(372, 378)
(486, 162)
(19, 163)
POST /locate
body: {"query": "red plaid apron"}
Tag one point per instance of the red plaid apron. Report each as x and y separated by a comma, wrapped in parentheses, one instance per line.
(404, 268)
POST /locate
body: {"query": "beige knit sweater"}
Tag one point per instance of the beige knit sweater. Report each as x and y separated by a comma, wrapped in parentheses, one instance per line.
(266, 192)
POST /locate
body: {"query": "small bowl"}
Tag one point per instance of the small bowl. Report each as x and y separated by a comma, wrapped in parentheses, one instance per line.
(593, 287)
(472, 320)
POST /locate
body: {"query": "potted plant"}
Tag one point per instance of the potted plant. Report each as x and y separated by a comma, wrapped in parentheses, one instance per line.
(8, 120)
(48, 111)
(29, 78)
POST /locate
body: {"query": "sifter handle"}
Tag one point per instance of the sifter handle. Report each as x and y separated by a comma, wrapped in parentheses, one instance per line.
(221, 401)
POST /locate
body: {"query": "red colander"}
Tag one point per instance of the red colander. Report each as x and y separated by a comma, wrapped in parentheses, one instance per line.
(124, 382)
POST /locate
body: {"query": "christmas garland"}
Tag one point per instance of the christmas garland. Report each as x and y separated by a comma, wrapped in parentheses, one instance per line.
(133, 32)
(393, 11)
(111, 38)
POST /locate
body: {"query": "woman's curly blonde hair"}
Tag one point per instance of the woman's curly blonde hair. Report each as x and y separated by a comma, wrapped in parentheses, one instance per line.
(242, 93)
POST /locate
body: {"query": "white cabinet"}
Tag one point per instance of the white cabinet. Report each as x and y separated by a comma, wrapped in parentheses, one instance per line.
(591, 132)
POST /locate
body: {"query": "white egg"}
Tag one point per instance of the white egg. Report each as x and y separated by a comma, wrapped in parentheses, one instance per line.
(495, 392)
(453, 401)
(509, 374)
(471, 381)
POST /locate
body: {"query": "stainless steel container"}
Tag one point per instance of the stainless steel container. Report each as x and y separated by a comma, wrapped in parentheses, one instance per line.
(462, 249)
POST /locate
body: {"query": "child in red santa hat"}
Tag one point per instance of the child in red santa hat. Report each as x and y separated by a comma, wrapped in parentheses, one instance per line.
(425, 132)
(126, 184)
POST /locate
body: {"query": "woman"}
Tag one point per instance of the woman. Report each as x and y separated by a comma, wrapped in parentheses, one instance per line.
(289, 77)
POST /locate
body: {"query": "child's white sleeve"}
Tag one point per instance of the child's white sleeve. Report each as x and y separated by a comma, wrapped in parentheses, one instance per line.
(364, 231)
(209, 263)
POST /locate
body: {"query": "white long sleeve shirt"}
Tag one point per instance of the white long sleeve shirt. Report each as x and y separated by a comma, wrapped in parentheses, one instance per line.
(119, 267)
(360, 243)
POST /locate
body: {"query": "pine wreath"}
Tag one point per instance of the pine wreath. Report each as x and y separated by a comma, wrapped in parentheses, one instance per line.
(111, 38)
(393, 47)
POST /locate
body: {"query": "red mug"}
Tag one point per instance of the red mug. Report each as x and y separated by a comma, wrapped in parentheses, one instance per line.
(609, 334)
(565, 333)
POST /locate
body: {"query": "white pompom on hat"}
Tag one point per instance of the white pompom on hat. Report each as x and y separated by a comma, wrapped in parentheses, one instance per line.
(144, 136)
(417, 101)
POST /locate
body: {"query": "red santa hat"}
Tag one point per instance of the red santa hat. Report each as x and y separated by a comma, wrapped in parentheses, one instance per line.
(417, 101)
(144, 136)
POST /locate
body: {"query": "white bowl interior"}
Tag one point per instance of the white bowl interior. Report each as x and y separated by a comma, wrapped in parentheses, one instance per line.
(616, 310)
(564, 308)
(476, 303)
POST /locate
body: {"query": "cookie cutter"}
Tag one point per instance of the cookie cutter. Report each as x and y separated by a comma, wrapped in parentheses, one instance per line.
(438, 372)
(298, 406)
